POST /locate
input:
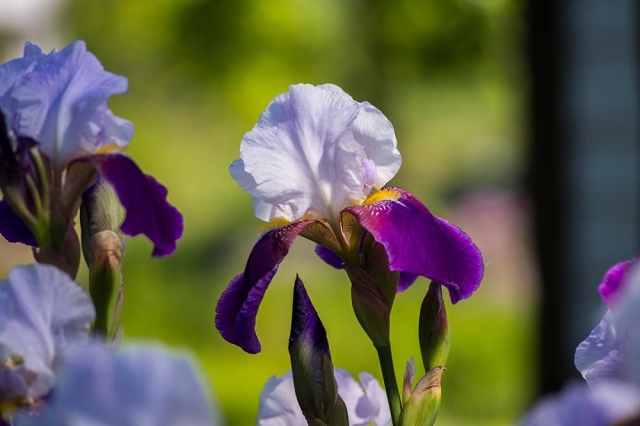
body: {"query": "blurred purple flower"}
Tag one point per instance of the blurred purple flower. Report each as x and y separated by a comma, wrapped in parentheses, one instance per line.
(42, 313)
(59, 100)
(603, 404)
(140, 386)
(365, 402)
(314, 165)
(608, 359)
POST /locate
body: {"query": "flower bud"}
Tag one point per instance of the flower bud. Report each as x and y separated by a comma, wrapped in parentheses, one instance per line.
(103, 248)
(422, 407)
(313, 378)
(373, 289)
(434, 331)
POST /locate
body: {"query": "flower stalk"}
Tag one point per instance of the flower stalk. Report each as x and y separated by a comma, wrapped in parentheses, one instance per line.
(390, 382)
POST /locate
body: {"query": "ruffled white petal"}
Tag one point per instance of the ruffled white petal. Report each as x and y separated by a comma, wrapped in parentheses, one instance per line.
(313, 152)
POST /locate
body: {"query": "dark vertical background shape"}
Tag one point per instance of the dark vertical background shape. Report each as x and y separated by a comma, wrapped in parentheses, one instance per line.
(584, 163)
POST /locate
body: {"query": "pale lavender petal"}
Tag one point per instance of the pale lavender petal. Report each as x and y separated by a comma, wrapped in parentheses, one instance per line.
(610, 286)
(238, 305)
(377, 405)
(42, 312)
(601, 405)
(329, 257)
(13, 228)
(313, 152)
(145, 200)
(351, 393)
(278, 403)
(62, 104)
(140, 386)
(279, 407)
(11, 72)
(419, 243)
(601, 355)
(626, 313)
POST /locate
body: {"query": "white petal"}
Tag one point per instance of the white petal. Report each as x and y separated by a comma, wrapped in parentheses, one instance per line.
(278, 403)
(377, 397)
(600, 356)
(42, 312)
(351, 393)
(312, 153)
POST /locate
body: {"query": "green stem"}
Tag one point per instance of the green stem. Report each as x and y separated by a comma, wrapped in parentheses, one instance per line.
(390, 383)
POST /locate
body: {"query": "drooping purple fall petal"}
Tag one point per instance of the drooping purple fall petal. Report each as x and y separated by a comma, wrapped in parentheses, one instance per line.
(238, 305)
(145, 200)
(329, 257)
(419, 243)
(13, 228)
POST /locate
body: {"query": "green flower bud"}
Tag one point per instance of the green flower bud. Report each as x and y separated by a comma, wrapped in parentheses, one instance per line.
(434, 331)
(422, 407)
(103, 248)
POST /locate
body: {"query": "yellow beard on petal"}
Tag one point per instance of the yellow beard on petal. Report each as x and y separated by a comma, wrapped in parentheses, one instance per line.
(381, 195)
(276, 222)
(107, 149)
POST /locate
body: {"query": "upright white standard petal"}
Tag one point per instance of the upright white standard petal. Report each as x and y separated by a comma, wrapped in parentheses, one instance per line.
(313, 152)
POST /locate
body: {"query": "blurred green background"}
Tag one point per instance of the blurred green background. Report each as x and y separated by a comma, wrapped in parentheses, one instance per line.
(447, 73)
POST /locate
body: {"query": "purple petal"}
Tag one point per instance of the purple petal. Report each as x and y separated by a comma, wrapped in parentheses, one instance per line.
(406, 280)
(140, 386)
(145, 200)
(238, 305)
(600, 356)
(419, 243)
(60, 100)
(306, 328)
(601, 405)
(329, 257)
(610, 286)
(13, 228)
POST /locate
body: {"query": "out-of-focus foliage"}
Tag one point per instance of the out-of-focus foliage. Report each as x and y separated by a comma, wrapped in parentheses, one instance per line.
(447, 73)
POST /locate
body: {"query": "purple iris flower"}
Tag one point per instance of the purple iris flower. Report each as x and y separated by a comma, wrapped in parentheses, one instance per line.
(140, 386)
(608, 359)
(42, 313)
(603, 355)
(366, 401)
(316, 164)
(604, 404)
(59, 100)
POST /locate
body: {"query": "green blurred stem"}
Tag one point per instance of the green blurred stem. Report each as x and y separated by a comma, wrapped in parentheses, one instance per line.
(390, 383)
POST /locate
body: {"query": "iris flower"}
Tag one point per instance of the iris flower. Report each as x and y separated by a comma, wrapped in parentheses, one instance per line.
(366, 402)
(138, 386)
(58, 102)
(42, 313)
(315, 165)
(608, 359)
